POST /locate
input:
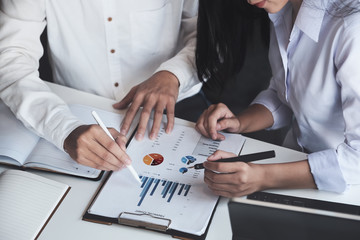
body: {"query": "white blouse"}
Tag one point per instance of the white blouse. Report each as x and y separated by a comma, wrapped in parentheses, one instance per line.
(316, 87)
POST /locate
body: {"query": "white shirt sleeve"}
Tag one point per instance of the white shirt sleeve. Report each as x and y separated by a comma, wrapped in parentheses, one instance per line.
(337, 169)
(21, 24)
(281, 113)
(269, 97)
(182, 65)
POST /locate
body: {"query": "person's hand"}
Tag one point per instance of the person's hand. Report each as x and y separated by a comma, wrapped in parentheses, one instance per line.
(158, 93)
(89, 145)
(233, 179)
(216, 118)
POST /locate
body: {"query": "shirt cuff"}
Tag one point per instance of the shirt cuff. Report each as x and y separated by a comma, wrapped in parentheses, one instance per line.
(185, 73)
(60, 129)
(326, 171)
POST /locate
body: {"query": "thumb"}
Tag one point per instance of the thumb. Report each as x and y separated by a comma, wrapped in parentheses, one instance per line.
(219, 154)
(229, 124)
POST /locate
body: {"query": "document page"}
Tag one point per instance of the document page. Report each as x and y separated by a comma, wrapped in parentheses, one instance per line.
(169, 190)
(19, 146)
(16, 141)
(47, 155)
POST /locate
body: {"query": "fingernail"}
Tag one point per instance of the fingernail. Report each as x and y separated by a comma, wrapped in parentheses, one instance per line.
(213, 136)
(139, 136)
(152, 136)
(127, 162)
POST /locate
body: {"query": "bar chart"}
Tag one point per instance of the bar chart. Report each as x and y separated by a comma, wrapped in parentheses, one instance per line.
(162, 188)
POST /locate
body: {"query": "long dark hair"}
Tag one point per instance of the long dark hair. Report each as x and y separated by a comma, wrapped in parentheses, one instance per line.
(224, 27)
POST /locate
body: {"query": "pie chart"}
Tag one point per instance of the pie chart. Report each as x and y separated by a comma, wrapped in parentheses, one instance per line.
(153, 159)
(183, 170)
(188, 159)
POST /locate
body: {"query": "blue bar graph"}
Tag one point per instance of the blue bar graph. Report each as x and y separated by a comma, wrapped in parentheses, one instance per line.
(145, 190)
(187, 188)
(168, 188)
(156, 184)
(181, 188)
(172, 191)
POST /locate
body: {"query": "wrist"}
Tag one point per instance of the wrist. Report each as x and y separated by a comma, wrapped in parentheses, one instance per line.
(264, 180)
(71, 140)
(169, 75)
(242, 124)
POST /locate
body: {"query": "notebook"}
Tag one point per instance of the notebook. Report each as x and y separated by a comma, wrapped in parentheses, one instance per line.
(27, 202)
(20, 147)
(265, 215)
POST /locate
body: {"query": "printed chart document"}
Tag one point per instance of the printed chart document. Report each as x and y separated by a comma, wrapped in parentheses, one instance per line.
(21, 147)
(171, 196)
(27, 202)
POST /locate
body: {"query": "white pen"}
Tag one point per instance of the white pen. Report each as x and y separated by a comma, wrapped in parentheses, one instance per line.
(102, 125)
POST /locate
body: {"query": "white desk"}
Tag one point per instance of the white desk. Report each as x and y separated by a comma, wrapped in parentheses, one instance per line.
(67, 224)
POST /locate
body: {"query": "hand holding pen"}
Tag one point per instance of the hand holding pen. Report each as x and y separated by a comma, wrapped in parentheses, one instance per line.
(90, 146)
(238, 177)
(102, 125)
(243, 158)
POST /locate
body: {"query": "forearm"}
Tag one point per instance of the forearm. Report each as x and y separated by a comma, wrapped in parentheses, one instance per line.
(286, 175)
(255, 118)
(240, 179)
(21, 88)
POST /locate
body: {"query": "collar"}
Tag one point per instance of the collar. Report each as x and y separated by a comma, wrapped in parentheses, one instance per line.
(309, 18)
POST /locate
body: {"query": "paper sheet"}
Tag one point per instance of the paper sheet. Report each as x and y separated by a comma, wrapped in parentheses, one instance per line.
(16, 141)
(169, 190)
(46, 155)
(20, 146)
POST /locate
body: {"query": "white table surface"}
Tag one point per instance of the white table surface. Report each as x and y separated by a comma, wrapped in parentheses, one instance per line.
(67, 221)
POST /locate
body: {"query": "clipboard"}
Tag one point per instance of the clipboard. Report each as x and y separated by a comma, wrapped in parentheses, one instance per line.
(171, 154)
(140, 220)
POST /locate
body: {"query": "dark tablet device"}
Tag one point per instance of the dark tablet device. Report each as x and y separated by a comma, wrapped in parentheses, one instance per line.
(263, 215)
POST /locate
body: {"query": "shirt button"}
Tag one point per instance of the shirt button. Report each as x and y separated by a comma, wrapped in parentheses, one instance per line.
(116, 84)
(109, 19)
(112, 50)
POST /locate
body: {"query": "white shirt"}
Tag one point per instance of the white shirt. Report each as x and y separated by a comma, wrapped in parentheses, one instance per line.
(316, 85)
(99, 46)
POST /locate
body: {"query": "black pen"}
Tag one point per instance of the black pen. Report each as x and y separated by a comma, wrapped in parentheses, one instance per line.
(243, 158)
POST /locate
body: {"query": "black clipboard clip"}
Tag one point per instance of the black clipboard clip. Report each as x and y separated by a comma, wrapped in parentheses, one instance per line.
(139, 220)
